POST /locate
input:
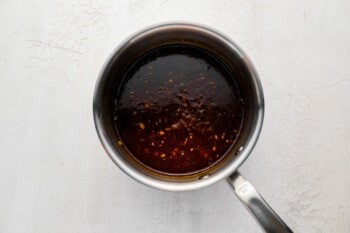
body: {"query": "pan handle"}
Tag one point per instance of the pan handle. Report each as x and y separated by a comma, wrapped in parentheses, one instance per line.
(257, 206)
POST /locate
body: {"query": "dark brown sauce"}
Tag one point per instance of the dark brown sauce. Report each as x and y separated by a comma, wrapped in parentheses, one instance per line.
(178, 110)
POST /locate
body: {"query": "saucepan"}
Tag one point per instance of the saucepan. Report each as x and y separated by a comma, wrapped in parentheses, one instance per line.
(233, 56)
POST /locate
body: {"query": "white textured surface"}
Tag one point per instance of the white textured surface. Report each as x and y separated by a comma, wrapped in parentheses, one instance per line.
(55, 176)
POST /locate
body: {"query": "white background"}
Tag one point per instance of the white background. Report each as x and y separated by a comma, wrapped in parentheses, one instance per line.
(55, 176)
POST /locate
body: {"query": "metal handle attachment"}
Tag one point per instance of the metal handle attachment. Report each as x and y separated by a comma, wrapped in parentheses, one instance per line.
(257, 206)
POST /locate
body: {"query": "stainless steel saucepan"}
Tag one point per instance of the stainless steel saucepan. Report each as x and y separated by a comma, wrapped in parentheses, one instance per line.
(233, 57)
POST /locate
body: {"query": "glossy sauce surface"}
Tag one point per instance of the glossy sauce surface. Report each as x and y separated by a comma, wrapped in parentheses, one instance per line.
(178, 110)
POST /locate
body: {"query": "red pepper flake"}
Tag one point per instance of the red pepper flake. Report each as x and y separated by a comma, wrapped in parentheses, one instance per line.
(142, 125)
